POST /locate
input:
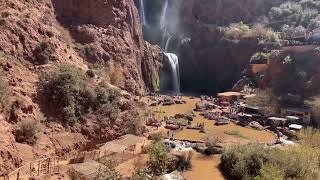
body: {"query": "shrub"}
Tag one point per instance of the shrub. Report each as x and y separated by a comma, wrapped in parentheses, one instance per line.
(90, 73)
(65, 89)
(27, 131)
(265, 36)
(266, 101)
(259, 162)
(143, 174)
(100, 70)
(271, 171)
(133, 122)
(43, 52)
(302, 13)
(88, 51)
(4, 91)
(155, 81)
(183, 161)
(212, 146)
(43, 58)
(108, 113)
(243, 162)
(109, 172)
(235, 31)
(116, 76)
(259, 58)
(160, 161)
(158, 136)
(68, 90)
(310, 137)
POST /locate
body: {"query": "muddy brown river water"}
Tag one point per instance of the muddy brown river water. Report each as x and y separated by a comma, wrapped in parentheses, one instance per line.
(204, 167)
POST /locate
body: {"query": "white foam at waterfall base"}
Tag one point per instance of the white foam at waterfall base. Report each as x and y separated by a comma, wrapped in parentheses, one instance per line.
(142, 13)
(174, 65)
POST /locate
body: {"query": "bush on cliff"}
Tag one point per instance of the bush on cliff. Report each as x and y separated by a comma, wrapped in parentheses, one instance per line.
(133, 122)
(68, 90)
(43, 52)
(27, 131)
(259, 58)
(237, 32)
(4, 91)
(301, 13)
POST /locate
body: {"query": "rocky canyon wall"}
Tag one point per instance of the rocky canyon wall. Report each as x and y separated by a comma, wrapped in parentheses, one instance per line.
(112, 30)
(37, 36)
(207, 66)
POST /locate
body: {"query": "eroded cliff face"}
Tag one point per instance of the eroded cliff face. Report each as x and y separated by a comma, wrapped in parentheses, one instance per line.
(37, 36)
(112, 30)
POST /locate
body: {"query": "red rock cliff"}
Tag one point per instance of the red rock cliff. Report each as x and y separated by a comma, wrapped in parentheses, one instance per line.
(75, 32)
(112, 29)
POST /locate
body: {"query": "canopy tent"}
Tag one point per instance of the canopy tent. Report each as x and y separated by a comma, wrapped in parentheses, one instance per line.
(295, 127)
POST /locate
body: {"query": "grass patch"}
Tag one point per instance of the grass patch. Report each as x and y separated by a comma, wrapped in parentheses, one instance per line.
(236, 134)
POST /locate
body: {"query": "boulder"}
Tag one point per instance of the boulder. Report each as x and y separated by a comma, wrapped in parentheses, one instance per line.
(255, 125)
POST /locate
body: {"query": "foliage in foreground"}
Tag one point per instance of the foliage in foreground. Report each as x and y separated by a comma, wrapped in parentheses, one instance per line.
(160, 161)
(259, 162)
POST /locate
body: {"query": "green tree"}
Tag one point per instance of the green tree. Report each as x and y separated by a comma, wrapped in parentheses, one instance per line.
(160, 161)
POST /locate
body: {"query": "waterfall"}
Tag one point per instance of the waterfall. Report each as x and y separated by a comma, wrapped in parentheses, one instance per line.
(163, 16)
(143, 14)
(173, 59)
(167, 44)
(174, 65)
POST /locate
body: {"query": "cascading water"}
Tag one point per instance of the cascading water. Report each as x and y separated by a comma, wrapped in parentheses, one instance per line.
(174, 65)
(163, 16)
(163, 24)
(167, 44)
(172, 58)
(143, 14)
(171, 78)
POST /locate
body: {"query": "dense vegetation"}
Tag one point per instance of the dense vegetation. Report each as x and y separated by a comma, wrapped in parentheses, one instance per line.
(161, 161)
(294, 18)
(259, 34)
(69, 91)
(259, 162)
